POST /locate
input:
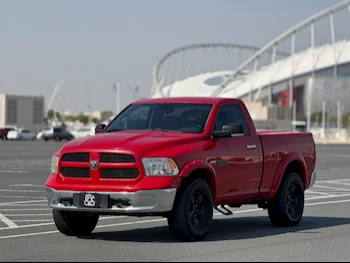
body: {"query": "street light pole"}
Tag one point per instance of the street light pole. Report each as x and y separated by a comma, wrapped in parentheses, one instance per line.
(116, 89)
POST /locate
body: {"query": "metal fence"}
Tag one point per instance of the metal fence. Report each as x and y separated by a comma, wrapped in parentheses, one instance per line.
(327, 103)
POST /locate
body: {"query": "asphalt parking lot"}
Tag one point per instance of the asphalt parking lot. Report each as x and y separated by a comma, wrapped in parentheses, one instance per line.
(27, 231)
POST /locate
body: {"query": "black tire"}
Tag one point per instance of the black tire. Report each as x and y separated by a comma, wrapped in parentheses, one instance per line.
(75, 223)
(287, 208)
(193, 201)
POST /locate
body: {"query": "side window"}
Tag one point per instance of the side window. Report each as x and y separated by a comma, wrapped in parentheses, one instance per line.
(231, 114)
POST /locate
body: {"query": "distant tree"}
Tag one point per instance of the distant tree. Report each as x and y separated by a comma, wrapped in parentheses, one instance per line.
(317, 116)
(106, 114)
(51, 115)
(345, 119)
(71, 118)
(95, 120)
(83, 119)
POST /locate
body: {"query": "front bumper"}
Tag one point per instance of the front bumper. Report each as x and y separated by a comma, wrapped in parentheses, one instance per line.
(313, 179)
(140, 202)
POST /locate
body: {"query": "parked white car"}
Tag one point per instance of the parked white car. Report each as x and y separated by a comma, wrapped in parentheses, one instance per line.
(84, 132)
(45, 132)
(21, 134)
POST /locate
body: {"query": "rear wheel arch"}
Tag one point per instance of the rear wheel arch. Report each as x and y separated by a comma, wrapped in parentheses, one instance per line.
(298, 167)
(292, 162)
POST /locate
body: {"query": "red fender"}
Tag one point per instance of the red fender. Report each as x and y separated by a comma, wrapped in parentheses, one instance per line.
(285, 161)
(191, 166)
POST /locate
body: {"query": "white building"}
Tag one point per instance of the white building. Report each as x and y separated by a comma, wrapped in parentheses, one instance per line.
(22, 111)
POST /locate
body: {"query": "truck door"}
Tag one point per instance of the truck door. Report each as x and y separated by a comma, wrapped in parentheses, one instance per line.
(239, 159)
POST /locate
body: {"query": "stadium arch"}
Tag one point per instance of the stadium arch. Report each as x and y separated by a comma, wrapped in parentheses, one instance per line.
(282, 79)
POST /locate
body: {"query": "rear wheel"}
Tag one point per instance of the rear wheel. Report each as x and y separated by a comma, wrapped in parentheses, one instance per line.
(75, 223)
(287, 208)
(192, 214)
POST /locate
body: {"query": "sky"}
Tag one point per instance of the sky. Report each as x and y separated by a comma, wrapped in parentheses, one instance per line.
(90, 44)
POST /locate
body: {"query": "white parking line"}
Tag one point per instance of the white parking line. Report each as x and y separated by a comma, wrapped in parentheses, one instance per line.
(341, 183)
(20, 196)
(25, 209)
(158, 220)
(20, 205)
(36, 220)
(335, 180)
(327, 197)
(23, 202)
(52, 223)
(14, 171)
(330, 202)
(28, 226)
(316, 193)
(26, 185)
(7, 221)
(25, 215)
(21, 190)
(31, 234)
(337, 189)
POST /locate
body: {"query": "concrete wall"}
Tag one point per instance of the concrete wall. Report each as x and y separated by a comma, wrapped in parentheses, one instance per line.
(25, 112)
(273, 125)
(257, 110)
(2, 110)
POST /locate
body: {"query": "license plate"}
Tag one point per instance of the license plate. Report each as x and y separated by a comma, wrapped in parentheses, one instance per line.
(92, 200)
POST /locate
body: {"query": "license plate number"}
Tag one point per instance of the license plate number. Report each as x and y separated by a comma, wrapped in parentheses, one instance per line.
(91, 200)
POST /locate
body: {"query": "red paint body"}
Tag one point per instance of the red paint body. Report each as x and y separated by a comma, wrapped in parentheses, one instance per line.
(249, 175)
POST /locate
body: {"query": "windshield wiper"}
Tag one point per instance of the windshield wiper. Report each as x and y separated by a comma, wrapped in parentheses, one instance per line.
(163, 130)
(160, 129)
(114, 130)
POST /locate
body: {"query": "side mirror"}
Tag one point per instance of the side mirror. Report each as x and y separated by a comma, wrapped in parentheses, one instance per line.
(99, 128)
(229, 131)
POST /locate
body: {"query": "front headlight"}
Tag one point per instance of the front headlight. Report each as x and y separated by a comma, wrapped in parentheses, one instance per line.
(160, 167)
(54, 164)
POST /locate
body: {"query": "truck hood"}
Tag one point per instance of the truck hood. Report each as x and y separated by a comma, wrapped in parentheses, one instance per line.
(140, 142)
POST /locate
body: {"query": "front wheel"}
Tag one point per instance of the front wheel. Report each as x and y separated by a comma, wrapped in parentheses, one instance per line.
(192, 214)
(286, 209)
(75, 223)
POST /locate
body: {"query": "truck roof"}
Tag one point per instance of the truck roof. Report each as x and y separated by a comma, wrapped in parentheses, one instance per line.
(202, 100)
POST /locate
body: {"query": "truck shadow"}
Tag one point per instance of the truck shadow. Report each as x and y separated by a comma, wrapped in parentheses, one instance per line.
(224, 229)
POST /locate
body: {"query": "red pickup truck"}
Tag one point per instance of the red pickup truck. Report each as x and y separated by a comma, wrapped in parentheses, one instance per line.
(179, 158)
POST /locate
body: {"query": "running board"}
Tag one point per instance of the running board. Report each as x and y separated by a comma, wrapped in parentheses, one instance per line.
(227, 212)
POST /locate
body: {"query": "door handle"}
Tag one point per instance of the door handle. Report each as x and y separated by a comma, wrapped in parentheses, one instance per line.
(250, 147)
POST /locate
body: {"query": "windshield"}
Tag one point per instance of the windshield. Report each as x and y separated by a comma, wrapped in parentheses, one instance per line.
(177, 117)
